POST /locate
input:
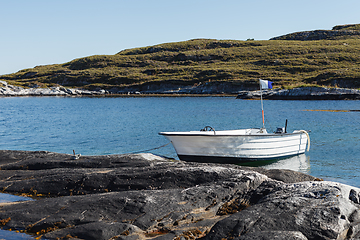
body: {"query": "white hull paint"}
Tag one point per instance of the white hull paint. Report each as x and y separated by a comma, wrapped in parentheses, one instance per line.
(236, 145)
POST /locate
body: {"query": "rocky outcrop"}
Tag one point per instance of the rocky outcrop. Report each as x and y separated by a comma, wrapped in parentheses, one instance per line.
(318, 35)
(304, 93)
(347, 27)
(10, 90)
(211, 88)
(207, 87)
(216, 87)
(307, 210)
(143, 196)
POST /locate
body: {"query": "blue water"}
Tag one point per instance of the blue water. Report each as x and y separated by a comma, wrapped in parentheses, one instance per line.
(98, 126)
(4, 198)
(13, 235)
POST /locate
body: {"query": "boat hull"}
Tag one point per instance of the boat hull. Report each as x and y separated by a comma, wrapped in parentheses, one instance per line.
(233, 148)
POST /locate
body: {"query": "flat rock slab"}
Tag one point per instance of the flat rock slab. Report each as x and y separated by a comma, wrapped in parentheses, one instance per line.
(317, 210)
(143, 196)
(53, 174)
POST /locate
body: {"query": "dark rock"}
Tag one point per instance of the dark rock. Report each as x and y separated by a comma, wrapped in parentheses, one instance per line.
(54, 174)
(286, 176)
(273, 235)
(318, 35)
(319, 210)
(176, 207)
(142, 196)
(354, 196)
(96, 231)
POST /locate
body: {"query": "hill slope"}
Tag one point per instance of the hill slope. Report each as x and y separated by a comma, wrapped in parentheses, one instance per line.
(236, 64)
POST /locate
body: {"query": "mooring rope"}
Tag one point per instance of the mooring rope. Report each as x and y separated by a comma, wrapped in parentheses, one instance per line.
(148, 150)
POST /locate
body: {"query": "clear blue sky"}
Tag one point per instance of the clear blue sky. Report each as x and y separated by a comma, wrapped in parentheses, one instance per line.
(41, 32)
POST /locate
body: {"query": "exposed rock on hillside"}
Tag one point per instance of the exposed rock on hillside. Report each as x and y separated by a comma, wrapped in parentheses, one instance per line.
(142, 196)
(347, 27)
(338, 32)
(318, 35)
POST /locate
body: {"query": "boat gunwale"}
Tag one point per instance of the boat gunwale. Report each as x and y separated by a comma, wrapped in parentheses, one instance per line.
(185, 134)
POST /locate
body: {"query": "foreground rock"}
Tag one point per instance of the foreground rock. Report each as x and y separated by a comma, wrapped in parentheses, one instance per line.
(304, 93)
(142, 196)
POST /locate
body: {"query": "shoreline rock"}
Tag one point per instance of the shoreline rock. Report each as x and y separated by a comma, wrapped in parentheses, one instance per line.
(199, 89)
(13, 91)
(143, 196)
(304, 93)
(223, 88)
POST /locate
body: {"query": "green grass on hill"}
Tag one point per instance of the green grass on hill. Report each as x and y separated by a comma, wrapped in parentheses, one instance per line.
(288, 64)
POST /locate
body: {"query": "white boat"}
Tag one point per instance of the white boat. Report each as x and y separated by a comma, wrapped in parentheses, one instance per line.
(234, 146)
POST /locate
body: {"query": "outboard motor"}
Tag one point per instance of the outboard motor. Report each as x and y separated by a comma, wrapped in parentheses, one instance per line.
(280, 130)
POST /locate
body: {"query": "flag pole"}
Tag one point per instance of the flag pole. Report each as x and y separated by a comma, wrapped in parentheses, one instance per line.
(262, 106)
(266, 85)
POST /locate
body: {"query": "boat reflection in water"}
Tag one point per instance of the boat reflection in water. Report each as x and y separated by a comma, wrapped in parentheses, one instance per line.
(299, 163)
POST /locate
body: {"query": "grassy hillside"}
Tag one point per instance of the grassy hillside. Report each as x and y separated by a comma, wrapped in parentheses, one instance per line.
(287, 63)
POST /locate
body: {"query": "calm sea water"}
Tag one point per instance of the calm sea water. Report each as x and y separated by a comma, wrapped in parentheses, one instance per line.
(98, 126)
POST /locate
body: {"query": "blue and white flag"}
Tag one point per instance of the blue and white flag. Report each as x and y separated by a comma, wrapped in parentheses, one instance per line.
(265, 84)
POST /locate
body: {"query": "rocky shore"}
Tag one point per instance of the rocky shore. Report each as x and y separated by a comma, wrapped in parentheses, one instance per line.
(166, 89)
(303, 93)
(8, 90)
(143, 196)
